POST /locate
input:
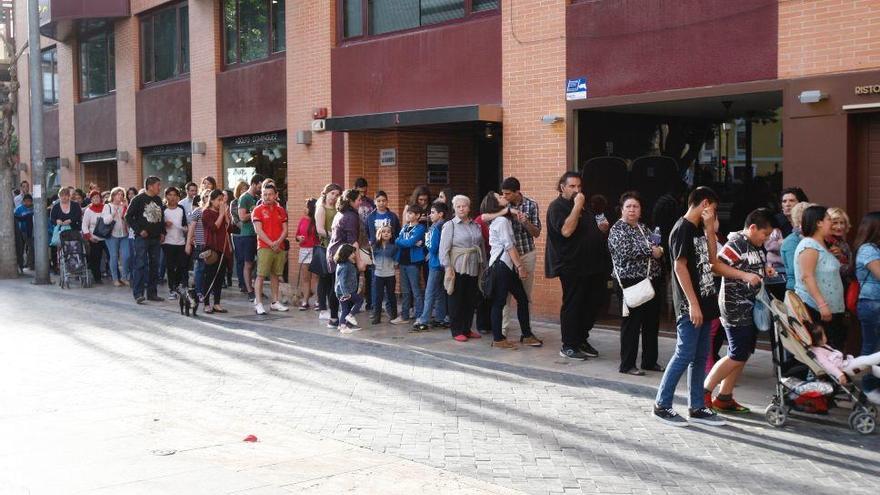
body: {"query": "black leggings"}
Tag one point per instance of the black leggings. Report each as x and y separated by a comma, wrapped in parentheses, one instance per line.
(327, 289)
(214, 274)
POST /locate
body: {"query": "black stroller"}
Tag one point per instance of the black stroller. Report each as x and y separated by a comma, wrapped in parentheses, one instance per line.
(72, 263)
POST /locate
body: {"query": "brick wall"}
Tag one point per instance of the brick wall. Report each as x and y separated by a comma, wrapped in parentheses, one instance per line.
(127, 84)
(138, 6)
(205, 62)
(827, 36)
(533, 78)
(310, 35)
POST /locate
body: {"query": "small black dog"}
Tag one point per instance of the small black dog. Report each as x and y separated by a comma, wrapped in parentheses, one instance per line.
(188, 300)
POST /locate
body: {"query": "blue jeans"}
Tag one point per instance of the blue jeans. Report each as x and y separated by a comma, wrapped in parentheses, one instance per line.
(435, 298)
(199, 271)
(383, 289)
(691, 349)
(350, 306)
(118, 247)
(410, 288)
(869, 317)
(146, 267)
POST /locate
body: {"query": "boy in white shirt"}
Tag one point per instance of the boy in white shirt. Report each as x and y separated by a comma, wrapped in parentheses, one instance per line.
(173, 242)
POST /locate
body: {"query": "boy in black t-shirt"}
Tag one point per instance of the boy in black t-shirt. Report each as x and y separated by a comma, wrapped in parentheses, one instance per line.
(692, 253)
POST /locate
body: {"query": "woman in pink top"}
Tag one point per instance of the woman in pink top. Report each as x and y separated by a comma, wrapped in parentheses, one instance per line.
(307, 237)
(838, 364)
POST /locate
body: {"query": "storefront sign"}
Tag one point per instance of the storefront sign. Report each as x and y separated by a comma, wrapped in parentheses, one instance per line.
(256, 139)
(870, 89)
(576, 89)
(169, 149)
(438, 164)
(388, 157)
(98, 156)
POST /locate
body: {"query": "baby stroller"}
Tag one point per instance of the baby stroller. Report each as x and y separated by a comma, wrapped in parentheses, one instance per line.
(819, 392)
(72, 260)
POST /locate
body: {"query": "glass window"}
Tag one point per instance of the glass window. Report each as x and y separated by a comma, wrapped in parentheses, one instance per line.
(165, 41)
(482, 5)
(97, 67)
(241, 162)
(251, 27)
(386, 16)
(53, 176)
(279, 43)
(174, 169)
(352, 18)
(49, 68)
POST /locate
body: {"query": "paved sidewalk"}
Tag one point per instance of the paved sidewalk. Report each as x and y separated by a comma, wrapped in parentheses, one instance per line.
(93, 385)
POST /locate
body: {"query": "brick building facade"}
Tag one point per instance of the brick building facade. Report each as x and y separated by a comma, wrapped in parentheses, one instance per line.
(475, 78)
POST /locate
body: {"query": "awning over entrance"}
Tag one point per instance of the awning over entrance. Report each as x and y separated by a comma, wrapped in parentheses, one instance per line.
(428, 116)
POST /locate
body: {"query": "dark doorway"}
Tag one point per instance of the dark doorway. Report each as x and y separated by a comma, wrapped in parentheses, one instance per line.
(488, 161)
(103, 173)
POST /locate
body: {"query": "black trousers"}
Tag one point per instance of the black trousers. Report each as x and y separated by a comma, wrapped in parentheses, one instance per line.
(506, 281)
(176, 265)
(645, 321)
(835, 330)
(462, 303)
(581, 298)
(214, 274)
(368, 287)
(96, 251)
(327, 289)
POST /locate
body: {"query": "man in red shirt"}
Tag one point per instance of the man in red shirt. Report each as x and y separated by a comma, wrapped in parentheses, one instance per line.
(270, 224)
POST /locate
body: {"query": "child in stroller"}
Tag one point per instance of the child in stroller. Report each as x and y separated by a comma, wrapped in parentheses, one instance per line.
(844, 367)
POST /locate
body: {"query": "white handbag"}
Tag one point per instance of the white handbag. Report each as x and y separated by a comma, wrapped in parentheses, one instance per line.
(638, 294)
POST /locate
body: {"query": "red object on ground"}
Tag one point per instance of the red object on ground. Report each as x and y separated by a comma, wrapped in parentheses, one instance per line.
(250, 438)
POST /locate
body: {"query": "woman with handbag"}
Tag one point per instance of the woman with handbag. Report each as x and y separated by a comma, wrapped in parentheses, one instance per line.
(637, 269)
(461, 253)
(868, 307)
(117, 242)
(95, 241)
(325, 212)
(345, 229)
(507, 273)
(217, 222)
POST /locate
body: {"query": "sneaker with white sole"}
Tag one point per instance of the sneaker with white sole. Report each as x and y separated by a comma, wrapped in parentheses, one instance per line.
(705, 416)
(348, 329)
(324, 315)
(277, 306)
(669, 416)
(351, 320)
(399, 321)
(331, 323)
(259, 309)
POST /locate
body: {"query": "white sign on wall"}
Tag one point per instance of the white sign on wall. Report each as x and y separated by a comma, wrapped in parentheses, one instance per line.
(388, 157)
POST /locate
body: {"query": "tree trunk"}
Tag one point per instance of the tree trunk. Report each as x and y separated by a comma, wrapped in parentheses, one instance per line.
(8, 263)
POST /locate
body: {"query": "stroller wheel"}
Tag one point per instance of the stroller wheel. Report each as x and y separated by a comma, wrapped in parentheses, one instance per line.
(862, 422)
(776, 415)
(872, 410)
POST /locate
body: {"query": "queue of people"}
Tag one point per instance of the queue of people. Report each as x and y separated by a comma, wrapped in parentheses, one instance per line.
(461, 268)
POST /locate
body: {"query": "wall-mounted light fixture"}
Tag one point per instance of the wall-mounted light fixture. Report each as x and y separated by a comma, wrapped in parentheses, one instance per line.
(552, 119)
(199, 148)
(812, 96)
(123, 156)
(304, 137)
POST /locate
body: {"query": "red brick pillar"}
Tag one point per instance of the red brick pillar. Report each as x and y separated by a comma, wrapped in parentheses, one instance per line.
(205, 62)
(533, 84)
(127, 84)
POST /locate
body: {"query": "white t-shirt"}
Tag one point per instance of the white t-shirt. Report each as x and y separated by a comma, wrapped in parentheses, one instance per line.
(501, 240)
(176, 234)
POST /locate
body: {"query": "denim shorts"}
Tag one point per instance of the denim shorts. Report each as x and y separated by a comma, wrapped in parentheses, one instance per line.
(741, 342)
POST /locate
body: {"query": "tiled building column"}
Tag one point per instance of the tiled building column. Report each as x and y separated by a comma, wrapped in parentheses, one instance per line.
(205, 62)
(310, 36)
(533, 48)
(68, 84)
(127, 85)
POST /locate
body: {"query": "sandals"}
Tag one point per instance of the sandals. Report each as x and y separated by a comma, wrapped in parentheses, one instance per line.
(220, 309)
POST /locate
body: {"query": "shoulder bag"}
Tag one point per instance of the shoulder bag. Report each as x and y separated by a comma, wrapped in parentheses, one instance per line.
(640, 293)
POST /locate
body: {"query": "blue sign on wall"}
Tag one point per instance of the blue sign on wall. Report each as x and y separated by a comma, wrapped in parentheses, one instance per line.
(576, 89)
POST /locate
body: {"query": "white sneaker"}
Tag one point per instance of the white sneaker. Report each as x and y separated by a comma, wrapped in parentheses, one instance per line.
(399, 321)
(874, 396)
(259, 309)
(347, 329)
(351, 321)
(324, 315)
(277, 306)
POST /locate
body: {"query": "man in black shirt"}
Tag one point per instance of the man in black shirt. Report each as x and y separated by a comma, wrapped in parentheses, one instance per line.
(576, 252)
(692, 250)
(146, 219)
